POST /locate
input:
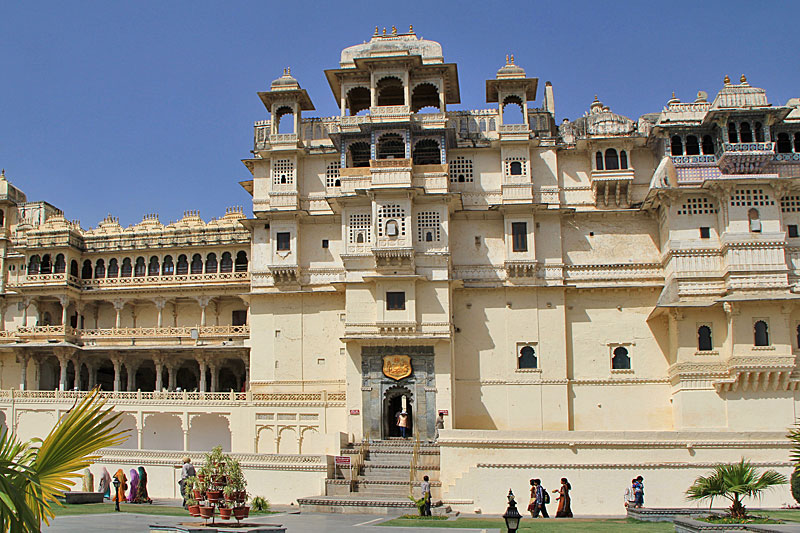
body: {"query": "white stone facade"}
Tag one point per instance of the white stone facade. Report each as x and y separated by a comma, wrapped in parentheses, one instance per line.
(593, 299)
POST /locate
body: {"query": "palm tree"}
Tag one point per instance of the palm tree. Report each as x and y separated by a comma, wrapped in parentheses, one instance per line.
(32, 473)
(734, 482)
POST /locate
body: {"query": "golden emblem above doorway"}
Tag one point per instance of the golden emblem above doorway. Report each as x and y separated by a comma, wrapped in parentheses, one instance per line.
(397, 367)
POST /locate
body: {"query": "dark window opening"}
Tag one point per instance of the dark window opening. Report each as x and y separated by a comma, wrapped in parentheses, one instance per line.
(797, 142)
(183, 265)
(73, 268)
(798, 337)
(784, 144)
(390, 92)
(692, 145)
(60, 265)
(358, 99)
(284, 240)
(612, 160)
(705, 233)
(153, 267)
(708, 145)
(621, 360)
(211, 263)
(745, 132)
(46, 267)
(86, 271)
(623, 159)
(761, 333)
(168, 267)
(226, 264)
(425, 95)
(325, 243)
(240, 264)
(197, 264)
(598, 160)
(239, 317)
(519, 236)
(139, 268)
(113, 269)
(391, 146)
(426, 152)
(100, 269)
(759, 130)
(33, 265)
(792, 228)
(127, 269)
(733, 136)
(359, 154)
(515, 168)
(527, 358)
(704, 343)
(395, 301)
(676, 145)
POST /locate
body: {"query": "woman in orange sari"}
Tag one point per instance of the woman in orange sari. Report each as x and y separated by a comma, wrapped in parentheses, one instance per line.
(564, 507)
(119, 495)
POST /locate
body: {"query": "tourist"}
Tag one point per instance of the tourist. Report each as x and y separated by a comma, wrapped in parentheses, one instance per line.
(426, 493)
(402, 422)
(141, 489)
(134, 479)
(638, 488)
(119, 494)
(88, 480)
(542, 499)
(105, 483)
(630, 495)
(439, 425)
(564, 507)
(187, 470)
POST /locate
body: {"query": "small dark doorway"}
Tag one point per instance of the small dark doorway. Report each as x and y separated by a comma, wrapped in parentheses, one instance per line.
(393, 404)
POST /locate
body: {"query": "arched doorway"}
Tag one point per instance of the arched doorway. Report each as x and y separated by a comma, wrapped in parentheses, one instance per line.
(392, 405)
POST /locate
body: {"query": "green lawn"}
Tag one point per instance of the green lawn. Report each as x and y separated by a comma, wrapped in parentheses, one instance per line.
(541, 525)
(790, 515)
(101, 508)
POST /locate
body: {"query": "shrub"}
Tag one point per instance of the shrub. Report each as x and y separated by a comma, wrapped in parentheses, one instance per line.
(796, 485)
(259, 505)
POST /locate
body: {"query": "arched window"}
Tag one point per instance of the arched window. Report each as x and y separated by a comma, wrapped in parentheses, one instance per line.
(86, 271)
(100, 269)
(197, 264)
(226, 264)
(33, 264)
(598, 161)
(426, 152)
(704, 343)
(60, 265)
(798, 337)
(183, 265)
(46, 267)
(623, 159)
(611, 159)
(784, 144)
(359, 154)
(759, 131)
(692, 145)
(113, 269)
(708, 145)
(390, 91)
(211, 263)
(241, 262)
(285, 118)
(425, 95)
(167, 266)
(527, 358)
(127, 268)
(797, 142)
(153, 266)
(2, 218)
(761, 333)
(73, 268)
(745, 133)
(358, 99)
(139, 268)
(515, 168)
(620, 360)
(754, 220)
(513, 109)
(676, 145)
(390, 146)
(733, 136)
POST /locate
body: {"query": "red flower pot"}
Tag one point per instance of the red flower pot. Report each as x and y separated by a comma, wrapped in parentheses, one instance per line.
(225, 513)
(241, 512)
(198, 494)
(213, 495)
(194, 510)
(218, 480)
(201, 478)
(241, 496)
(206, 512)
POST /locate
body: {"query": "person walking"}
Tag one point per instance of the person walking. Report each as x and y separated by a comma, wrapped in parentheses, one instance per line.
(639, 492)
(141, 489)
(564, 503)
(402, 422)
(426, 493)
(542, 499)
(119, 493)
(105, 483)
(630, 495)
(439, 425)
(187, 470)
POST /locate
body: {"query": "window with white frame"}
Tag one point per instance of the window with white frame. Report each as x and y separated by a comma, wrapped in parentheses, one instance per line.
(461, 170)
(428, 226)
(516, 166)
(526, 357)
(360, 228)
(282, 172)
(391, 213)
(620, 358)
(332, 174)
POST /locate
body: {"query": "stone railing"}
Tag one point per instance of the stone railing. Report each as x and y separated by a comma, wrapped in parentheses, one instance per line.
(691, 160)
(689, 107)
(171, 279)
(46, 330)
(112, 397)
(514, 128)
(390, 111)
(749, 147)
(787, 157)
(283, 138)
(390, 163)
(202, 332)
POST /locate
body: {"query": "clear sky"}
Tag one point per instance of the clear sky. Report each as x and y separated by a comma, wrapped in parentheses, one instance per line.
(147, 106)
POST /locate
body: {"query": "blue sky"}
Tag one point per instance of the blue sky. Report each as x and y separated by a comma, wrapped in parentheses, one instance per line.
(147, 107)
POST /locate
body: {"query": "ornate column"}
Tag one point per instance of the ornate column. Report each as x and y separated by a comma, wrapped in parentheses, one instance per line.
(119, 304)
(246, 373)
(64, 301)
(116, 360)
(172, 374)
(91, 366)
(160, 303)
(158, 362)
(132, 367)
(175, 314)
(22, 359)
(212, 365)
(3, 305)
(203, 364)
(134, 314)
(203, 301)
(23, 305)
(37, 378)
(63, 360)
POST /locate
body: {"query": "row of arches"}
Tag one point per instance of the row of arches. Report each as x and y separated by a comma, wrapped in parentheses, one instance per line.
(611, 160)
(742, 132)
(139, 267)
(691, 145)
(393, 146)
(390, 91)
(784, 143)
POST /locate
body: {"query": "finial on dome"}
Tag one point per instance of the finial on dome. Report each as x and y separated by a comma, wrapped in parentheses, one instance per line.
(727, 80)
(673, 94)
(394, 30)
(507, 63)
(596, 99)
(3, 173)
(384, 32)
(743, 79)
(411, 29)
(512, 59)
(288, 71)
(377, 32)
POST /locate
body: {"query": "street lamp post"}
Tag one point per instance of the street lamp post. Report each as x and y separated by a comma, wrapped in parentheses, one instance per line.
(512, 516)
(116, 493)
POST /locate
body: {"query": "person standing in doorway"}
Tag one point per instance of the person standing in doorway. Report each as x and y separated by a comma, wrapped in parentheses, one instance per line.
(426, 493)
(402, 422)
(187, 470)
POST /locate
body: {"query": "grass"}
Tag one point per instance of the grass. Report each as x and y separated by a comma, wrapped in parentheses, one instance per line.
(540, 525)
(789, 515)
(102, 508)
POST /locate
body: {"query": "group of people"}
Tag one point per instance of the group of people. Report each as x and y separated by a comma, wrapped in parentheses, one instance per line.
(634, 493)
(540, 498)
(135, 486)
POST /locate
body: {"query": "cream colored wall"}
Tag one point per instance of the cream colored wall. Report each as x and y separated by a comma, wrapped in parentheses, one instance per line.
(618, 238)
(312, 254)
(463, 230)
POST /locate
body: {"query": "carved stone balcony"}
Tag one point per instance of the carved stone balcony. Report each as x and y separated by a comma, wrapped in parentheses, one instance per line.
(355, 178)
(391, 172)
(514, 132)
(383, 329)
(759, 373)
(521, 269)
(400, 260)
(226, 278)
(694, 160)
(745, 158)
(285, 274)
(431, 120)
(114, 336)
(61, 279)
(390, 113)
(612, 187)
(431, 178)
(284, 141)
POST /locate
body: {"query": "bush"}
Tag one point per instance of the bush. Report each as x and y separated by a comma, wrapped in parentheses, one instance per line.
(259, 505)
(796, 484)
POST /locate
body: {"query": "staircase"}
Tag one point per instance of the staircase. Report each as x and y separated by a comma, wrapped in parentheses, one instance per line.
(381, 476)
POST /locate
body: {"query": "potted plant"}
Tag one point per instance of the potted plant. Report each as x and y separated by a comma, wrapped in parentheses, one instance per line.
(193, 507)
(236, 481)
(224, 511)
(190, 487)
(206, 511)
(230, 492)
(241, 512)
(215, 461)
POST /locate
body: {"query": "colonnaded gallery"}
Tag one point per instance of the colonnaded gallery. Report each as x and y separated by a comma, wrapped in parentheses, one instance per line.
(595, 298)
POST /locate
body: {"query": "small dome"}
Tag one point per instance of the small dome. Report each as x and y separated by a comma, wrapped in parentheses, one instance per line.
(286, 81)
(596, 106)
(510, 70)
(674, 99)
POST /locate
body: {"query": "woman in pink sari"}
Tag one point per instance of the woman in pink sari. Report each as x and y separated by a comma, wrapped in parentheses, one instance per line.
(134, 485)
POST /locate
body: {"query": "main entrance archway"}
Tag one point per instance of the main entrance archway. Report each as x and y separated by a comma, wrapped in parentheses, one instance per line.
(392, 405)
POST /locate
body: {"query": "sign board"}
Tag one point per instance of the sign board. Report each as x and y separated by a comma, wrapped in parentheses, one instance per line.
(397, 367)
(341, 460)
(355, 411)
(443, 412)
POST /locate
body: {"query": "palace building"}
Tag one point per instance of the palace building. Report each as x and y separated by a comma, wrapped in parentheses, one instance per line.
(596, 299)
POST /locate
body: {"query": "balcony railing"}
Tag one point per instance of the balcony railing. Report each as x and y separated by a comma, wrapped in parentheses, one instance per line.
(112, 397)
(188, 332)
(99, 283)
(745, 158)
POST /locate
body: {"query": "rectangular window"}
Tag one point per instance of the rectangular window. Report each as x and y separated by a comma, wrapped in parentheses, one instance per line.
(325, 243)
(792, 230)
(283, 241)
(395, 301)
(519, 236)
(239, 317)
(705, 233)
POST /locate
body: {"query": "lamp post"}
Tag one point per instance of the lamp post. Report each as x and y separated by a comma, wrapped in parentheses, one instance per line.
(115, 482)
(512, 516)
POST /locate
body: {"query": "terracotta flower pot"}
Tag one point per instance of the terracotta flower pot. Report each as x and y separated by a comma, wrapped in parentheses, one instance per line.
(218, 480)
(201, 478)
(232, 497)
(225, 513)
(194, 510)
(213, 495)
(241, 496)
(198, 494)
(206, 512)
(241, 512)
